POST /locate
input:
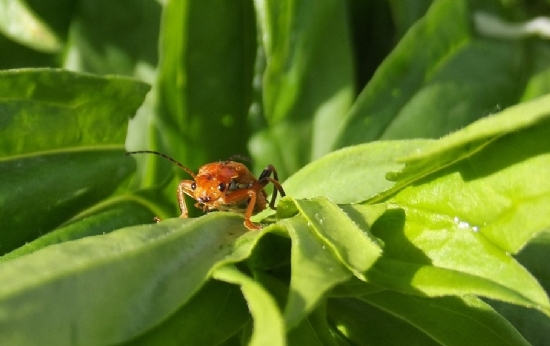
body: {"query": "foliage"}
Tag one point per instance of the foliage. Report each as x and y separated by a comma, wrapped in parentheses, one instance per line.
(390, 223)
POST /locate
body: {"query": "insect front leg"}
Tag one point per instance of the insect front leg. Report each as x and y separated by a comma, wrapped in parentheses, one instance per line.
(249, 195)
(249, 209)
(265, 178)
(184, 188)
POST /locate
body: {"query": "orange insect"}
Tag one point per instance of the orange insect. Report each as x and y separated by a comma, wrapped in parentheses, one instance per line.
(226, 186)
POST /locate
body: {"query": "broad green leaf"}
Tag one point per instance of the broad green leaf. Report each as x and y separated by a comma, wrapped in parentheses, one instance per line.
(39, 192)
(361, 324)
(307, 82)
(352, 174)
(218, 308)
(62, 110)
(120, 214)
(314, 270)
(126, 281)
(473, 138)
(449, 320)
(61, 142)
(20, 23)
(428, 253)
(268, 322)
(350, 242)
(439, 78)
(502, 191)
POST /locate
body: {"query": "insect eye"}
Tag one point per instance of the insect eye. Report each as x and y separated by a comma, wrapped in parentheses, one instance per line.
(221, 187)
(193, 186)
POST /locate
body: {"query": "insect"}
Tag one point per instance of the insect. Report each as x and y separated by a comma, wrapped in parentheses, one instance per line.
(226, 186)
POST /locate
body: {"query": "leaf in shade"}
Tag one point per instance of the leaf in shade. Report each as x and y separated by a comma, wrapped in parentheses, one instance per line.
(268, 322)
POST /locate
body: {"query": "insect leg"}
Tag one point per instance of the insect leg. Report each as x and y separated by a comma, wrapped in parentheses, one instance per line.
(181, 200)
(265, 177)
(249, 209)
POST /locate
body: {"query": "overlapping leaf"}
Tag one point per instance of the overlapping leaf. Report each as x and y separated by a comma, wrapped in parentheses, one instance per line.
(139, 276)
(452, 232)
(352, 174)
(427, 321)
(218, 308)
(61, 146)
(268, 324)
(466, 142)
(114, 216)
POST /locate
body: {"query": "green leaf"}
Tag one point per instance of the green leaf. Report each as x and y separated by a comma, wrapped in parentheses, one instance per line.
(307, 82)
(350, 242)
(435, 255)
(473, 138)
(439, 78)
(73, 158)
(431, 320)
(314, 270)
(64, 110)
(126, 281)
(39, 192)
(218, 308)
(268, 322)
(352, 174)
(359, 323)
(18, 22)
(121, 213)
(473, 321)
(502, 191)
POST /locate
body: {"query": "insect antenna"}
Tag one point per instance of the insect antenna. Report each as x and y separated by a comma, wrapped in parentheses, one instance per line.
(190, 172)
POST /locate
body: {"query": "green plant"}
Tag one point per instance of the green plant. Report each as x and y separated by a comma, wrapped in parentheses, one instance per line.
(383, 238)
